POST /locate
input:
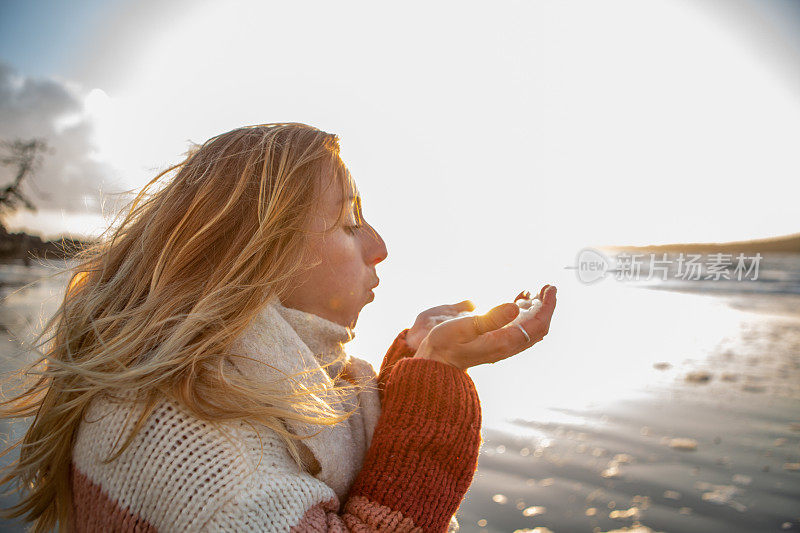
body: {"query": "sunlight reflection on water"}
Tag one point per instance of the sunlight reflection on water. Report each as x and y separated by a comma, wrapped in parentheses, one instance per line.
(602, 346)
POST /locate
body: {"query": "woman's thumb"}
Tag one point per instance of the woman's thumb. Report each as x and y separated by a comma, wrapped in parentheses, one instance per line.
(466, 305)
(469, 328)
(497, 317)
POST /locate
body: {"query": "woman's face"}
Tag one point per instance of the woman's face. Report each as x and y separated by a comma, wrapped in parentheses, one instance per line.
(340, 285)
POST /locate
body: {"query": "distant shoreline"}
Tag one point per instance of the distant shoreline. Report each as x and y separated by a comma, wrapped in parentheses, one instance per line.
(23, 248)
(783, 244)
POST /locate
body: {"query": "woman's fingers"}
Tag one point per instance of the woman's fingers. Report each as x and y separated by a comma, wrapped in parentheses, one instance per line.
(545, 313)
(460, 307)
(507, 341)
(496, 318)
(469, 328)
(524, 295)
(539, 325)
(449, 309)
(477, 339)
(540, 296)
(493, 346)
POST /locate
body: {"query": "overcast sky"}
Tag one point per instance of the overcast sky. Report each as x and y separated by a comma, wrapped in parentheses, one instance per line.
(578, 122)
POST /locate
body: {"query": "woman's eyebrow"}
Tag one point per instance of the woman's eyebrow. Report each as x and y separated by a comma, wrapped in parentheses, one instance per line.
(352, 200)
(349, 198)
(357, 205)
(352, 204)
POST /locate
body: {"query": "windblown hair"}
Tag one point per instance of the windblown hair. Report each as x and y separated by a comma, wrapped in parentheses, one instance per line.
(153, 307)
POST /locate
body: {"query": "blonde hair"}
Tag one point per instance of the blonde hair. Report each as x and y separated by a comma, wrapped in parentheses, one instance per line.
(153, 309)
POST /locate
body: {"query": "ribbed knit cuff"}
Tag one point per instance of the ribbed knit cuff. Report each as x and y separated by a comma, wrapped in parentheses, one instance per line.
(424, 451)
(433, 390)
(397, 351)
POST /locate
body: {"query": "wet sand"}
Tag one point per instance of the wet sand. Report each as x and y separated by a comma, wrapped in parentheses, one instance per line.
(713, 446)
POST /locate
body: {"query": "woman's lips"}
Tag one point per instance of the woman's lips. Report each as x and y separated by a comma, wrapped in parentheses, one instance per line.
(371, 292)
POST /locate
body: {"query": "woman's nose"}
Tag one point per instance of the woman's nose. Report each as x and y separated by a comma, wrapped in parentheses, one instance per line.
(376, 249)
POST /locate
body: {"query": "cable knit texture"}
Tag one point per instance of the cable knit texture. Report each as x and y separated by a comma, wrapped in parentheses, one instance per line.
(402, 462)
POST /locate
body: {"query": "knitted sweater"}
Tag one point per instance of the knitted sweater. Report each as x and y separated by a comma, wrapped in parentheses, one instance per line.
(402, 462)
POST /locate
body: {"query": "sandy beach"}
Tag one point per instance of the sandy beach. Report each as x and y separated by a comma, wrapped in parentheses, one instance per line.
(643, 411)
(717, 451)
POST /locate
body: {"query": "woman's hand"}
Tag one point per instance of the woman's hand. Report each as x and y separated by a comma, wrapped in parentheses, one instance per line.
(478, 339)
(434, 316)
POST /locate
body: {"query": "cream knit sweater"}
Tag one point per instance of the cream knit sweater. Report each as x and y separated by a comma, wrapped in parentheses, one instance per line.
(181, 474)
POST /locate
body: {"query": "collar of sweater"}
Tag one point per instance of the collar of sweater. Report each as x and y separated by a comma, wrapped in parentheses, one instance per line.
(323, 337)
(281, 342)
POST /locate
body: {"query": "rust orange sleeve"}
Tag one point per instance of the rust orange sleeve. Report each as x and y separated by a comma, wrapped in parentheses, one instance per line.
(397, 351)
(424, 451)
(423, 454)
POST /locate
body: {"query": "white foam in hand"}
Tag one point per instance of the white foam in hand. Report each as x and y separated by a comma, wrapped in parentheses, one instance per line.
(438, 319)
(527, 308)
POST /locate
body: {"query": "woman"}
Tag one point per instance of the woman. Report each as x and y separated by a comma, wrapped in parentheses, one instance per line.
(196, 378)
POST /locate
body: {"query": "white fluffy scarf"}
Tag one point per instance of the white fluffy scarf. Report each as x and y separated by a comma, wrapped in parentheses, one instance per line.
(291, 341)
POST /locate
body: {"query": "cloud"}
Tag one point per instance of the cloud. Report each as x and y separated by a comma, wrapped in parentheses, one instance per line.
(70, 179)
(770, 27)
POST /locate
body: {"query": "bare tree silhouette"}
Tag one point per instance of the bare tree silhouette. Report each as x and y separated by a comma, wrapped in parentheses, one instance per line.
(26, 156)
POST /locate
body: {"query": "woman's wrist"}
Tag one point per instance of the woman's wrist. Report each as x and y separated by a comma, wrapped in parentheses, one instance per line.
(412, 340)
(424, 352)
